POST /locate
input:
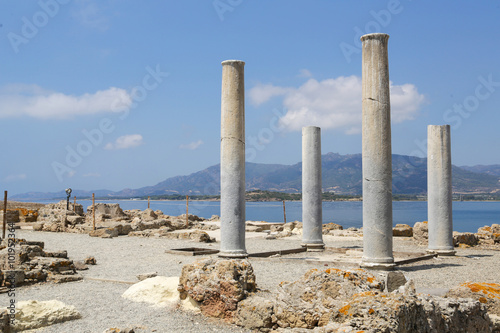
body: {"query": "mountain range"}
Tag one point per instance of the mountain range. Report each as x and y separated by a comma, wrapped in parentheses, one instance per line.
(342, 174)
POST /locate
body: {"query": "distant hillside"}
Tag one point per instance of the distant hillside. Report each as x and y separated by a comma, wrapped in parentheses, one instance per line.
(493, 170)
(341, 174)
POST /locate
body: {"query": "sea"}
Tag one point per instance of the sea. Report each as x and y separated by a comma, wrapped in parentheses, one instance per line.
(468, 216)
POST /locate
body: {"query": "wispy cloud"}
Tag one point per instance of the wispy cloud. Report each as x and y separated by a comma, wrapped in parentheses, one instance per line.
(125, 142)
(192, 146)
(15, 178)
(19, 100)
(334, 103)
(305, 73)
(91, 14)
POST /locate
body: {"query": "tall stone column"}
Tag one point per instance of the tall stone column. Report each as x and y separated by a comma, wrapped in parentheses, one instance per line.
(232, 165)
(439, 193)
(376, 154)
(312, 200)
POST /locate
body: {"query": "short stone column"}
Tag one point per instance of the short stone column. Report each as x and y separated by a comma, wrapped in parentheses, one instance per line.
(232, 165)
(439, 193)
(376, 154)
(312, 196)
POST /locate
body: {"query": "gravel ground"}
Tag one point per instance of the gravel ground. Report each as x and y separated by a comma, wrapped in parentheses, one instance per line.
(122, 258)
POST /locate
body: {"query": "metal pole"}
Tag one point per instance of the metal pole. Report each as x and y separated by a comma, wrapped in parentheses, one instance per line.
(284, 211)
(4, 214)
(93, 211)
(148, 200)
(187, 210)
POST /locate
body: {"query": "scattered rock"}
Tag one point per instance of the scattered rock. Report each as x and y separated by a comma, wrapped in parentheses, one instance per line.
(105, 233)
(90, 260)
(119, 330)
(331, 226)
(145, 276)
(217, 284)
(394, 280)
(34, 314)
(402, 230)
(80, 265)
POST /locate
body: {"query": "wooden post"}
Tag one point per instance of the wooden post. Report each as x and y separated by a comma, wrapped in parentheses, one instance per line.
(187, 210)
(4, 214)
(93, 211)
(148, 200)
(284, 211)
(74, 203)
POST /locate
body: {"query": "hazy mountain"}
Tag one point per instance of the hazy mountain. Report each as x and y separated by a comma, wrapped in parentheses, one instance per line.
(341, 174)
(488, 169)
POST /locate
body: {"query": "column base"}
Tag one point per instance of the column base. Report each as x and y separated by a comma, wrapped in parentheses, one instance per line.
(442, 252)
(379, 266)
(315, 247)
(233, 255)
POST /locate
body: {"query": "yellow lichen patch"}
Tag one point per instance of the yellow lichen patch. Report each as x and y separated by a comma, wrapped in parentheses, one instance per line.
(371, 311)
(492, 290)
(370, 279)
(483, 300)
(345, 309)
(425, 222)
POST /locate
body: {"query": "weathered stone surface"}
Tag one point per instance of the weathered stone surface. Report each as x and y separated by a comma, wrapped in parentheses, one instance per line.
(402, 230)
(120, 330)
(466, 238)
(38, 226)
(105, 211)
(35, 314)
(217, 284)
(80, 265)
(394, 280)
(352, 301)
(194, 235)
(4, 321)
(56, 254)
(253, 228)
(486, 293)
(11, 216)
(421, 232)
(13, 277)
(62, 278)
(53, 264)
(331, 226)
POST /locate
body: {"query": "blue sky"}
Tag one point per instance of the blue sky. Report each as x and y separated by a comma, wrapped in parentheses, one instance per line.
(124, 94)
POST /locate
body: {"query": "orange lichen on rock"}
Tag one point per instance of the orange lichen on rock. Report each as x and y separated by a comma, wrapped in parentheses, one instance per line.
(492, 290)
(483, 300)
(345, 309)
(371, 311)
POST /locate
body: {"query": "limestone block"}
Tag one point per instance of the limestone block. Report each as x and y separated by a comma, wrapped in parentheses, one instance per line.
(34, 314)
(466, 238)
(421, 232)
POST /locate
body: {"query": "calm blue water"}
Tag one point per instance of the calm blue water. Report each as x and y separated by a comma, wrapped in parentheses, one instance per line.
(467, 216)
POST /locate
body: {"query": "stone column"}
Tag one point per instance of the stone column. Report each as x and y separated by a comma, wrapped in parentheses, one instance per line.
(312, 200)
(232, 164)
(439, 194)
(376, 154)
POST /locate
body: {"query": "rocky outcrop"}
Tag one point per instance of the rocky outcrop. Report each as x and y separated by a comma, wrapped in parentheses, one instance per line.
(465, 238)
(336, 300)
(56, 218)
(104, 211)
(218, 285)
(331, 226)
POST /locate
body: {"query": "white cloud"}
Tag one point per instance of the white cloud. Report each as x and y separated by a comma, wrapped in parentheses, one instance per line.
(15, 178)
(261, 93)
(192, 146)
(125, 142)
(335, 103)
(34, 101)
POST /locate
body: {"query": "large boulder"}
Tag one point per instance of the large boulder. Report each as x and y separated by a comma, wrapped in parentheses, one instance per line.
(421, 233)
(466, 238)
(104, 211)
(217, 284)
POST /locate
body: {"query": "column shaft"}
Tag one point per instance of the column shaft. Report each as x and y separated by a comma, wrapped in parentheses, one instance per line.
(439, 190)
(312, 201)
(232, 166)
(376, 154)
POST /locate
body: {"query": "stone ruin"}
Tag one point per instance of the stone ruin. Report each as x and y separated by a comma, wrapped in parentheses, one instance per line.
(111, 221)
(33, 264)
